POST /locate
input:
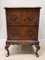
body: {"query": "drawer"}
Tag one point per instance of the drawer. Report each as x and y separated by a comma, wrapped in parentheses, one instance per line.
(13, 17)
(22, 33)
(22, 16)
(30, 17)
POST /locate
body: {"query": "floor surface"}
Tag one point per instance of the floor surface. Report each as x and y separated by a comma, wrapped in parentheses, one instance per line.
(18, 52)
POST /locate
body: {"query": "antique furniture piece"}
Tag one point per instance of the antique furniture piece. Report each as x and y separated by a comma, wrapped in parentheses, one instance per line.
(22, 26)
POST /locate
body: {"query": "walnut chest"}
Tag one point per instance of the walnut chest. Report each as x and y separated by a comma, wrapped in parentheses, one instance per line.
(22, 27)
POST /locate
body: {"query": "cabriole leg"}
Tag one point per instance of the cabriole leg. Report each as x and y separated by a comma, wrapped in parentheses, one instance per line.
(37, 49)
(6, 47)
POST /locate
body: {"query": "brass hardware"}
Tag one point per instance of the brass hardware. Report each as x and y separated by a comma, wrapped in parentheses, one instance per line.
(30, 18)
(30, 33)
(14, 17)
(14, 33)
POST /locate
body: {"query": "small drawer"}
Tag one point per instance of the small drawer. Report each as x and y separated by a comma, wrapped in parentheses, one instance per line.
(22, 33)
(13, 17)
(30, 17)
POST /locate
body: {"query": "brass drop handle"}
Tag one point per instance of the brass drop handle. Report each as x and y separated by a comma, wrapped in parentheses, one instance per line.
(14, 17)
(14, 33)
(30, 33)
(30, 18)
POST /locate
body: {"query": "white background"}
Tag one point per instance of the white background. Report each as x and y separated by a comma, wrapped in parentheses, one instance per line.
(21, 3)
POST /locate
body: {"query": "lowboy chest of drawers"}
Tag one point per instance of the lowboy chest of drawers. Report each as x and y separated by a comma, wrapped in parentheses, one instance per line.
(22, 27)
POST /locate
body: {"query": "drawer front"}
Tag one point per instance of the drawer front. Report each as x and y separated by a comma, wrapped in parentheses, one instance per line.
(13, 17)
(22, 16)
(22, 33)
(30, 17)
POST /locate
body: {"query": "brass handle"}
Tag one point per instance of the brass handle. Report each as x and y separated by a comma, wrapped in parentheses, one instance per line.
(30, 18)
(30, 33)
(14, 17)
(14, 33)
